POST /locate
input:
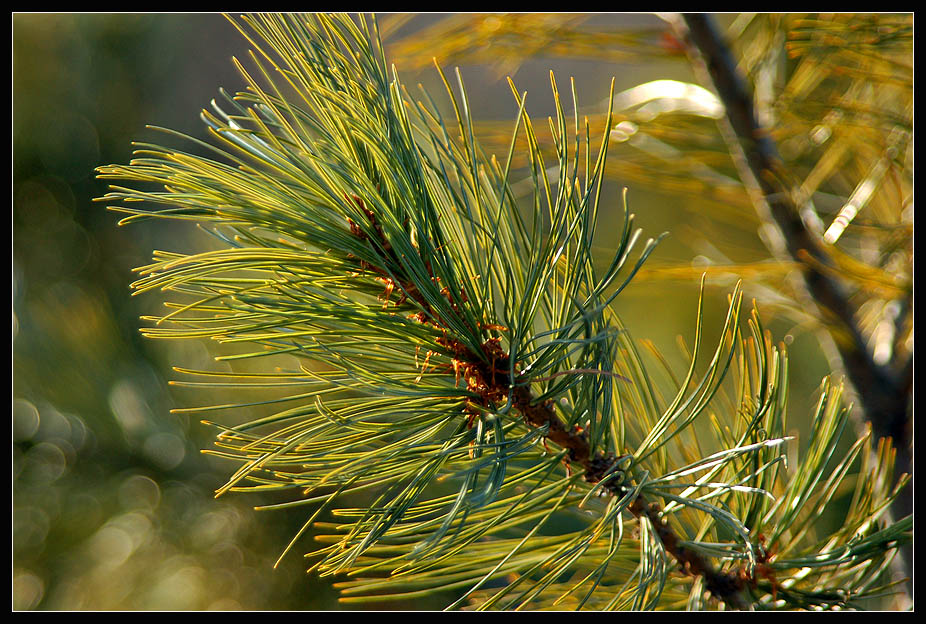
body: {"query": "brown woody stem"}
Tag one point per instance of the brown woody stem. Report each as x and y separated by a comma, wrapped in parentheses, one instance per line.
(725, 586)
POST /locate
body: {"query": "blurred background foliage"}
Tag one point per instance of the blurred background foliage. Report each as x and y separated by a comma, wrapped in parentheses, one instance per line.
(113, 504)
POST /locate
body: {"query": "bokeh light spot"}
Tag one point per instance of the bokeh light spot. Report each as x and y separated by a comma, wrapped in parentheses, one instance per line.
(28, 590)
(26, 420)
(165, 449)
(139, 492)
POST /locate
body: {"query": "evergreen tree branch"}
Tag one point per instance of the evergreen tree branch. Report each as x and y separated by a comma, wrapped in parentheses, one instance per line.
(485, 375)
(385, 253)
(885, 397)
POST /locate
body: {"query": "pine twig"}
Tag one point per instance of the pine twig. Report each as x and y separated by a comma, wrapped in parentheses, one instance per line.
(726, 587)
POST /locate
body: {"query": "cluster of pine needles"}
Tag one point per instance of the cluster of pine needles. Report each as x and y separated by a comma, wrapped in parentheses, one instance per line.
(451, 363)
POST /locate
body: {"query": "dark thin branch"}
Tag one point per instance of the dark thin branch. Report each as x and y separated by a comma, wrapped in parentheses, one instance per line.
(725, 586)
(884, 397)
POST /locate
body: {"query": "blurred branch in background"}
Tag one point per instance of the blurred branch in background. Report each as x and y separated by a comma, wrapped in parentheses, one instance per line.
(516, 37)
(884, 388)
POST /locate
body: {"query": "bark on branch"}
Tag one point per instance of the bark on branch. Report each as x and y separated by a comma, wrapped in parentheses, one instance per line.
(728, 587)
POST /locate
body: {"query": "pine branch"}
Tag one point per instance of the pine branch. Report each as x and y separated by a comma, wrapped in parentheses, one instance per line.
(485, 375)
(444, 332)
(885, 398)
